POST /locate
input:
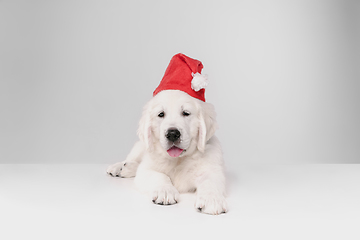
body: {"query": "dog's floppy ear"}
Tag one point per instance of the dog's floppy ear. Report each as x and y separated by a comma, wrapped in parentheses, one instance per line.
(207, 124)
(144, 130)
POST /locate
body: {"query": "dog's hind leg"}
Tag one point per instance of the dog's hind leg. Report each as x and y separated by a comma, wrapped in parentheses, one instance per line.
(128, 167)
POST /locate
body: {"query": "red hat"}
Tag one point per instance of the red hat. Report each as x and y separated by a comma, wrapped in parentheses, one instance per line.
(184, 74)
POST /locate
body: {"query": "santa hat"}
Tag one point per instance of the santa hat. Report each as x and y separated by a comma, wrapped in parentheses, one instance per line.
(184, 74)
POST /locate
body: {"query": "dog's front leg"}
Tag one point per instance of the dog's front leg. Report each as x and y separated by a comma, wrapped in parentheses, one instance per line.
(157, 185)
(210, 188)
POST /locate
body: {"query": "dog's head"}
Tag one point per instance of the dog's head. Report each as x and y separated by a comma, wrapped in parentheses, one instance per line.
(176, 124)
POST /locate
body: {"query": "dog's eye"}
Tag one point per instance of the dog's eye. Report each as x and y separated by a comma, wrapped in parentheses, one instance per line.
(185, 113)
(162, 114)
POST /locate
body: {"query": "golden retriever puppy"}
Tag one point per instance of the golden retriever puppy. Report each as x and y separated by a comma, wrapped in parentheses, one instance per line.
(177, 152)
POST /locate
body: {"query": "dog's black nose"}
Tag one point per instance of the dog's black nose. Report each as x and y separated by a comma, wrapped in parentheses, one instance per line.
(173, 135)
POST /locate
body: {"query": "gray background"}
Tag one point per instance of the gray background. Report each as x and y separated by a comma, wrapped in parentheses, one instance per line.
(284, 76)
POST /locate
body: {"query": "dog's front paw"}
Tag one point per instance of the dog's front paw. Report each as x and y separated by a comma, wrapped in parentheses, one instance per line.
(115, 169)
(165, 196)
(211, 204)
(123, 169)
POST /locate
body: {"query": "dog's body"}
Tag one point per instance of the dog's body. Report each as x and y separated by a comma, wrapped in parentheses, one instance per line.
(177, 152)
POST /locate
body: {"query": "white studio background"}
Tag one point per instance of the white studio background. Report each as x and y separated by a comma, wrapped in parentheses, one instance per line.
(284, 76)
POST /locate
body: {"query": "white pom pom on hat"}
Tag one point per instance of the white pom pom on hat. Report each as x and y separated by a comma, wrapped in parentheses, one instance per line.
(199, 81)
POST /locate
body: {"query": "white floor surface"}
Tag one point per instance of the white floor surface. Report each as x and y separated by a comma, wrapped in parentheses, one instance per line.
(41, 201)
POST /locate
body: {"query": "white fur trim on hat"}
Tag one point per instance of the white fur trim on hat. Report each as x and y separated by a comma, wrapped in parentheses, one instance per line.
(199, 81)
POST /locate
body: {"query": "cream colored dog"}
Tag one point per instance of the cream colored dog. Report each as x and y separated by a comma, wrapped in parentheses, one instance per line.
(177, 152)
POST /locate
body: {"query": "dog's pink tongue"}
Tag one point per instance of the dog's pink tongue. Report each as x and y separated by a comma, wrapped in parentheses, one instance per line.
(174, 151)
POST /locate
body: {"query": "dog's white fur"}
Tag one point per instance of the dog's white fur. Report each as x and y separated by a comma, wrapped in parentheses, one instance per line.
(199, 168)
